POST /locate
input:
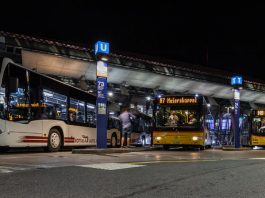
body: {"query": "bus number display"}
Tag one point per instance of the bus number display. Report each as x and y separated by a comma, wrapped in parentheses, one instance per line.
(174, 100)
(260, 113)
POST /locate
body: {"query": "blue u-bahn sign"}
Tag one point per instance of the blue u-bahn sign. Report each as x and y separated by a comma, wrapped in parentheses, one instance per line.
(236, 80)
(101, 48)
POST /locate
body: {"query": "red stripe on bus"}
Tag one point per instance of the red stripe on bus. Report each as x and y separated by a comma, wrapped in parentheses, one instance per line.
(35, 137)
(35, 141)
(69, 138)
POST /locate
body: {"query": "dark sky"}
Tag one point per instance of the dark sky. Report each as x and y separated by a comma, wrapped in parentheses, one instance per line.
(232, 34)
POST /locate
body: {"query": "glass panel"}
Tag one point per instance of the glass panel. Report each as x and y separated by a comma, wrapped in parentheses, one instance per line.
(34, 96)
(180, 118)
(91, 115)
(2, 103)
(18, 96)
(77, 111)
(258, 126)
(55, 105)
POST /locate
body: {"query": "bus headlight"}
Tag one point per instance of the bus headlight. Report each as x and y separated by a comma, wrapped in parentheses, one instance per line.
(158, 138)
(195, 138)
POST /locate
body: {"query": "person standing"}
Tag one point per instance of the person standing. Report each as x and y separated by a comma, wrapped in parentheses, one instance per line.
(173, 119)
(125, 118)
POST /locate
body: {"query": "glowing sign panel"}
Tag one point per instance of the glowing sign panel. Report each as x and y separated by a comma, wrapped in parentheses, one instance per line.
(260, 113)
(174, 100)
(236, 80)
(101, 48)
(34, 105)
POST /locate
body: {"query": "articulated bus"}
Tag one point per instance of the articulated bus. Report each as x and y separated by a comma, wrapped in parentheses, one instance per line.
(39, 111)
(180, 121)
(257, 136)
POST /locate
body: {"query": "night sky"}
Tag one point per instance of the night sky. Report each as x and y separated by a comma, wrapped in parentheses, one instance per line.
(231, 36)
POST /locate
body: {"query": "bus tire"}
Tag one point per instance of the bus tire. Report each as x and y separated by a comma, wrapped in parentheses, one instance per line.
(113, 140)
(54, 140)
(202, 148)
(166, 147)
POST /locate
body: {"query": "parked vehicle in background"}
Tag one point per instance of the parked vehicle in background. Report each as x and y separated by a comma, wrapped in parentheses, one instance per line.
(142, 129)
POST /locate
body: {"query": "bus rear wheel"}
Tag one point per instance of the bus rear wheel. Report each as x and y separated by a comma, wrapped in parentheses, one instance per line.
(54, 140)
(202, 148)
(113, 140)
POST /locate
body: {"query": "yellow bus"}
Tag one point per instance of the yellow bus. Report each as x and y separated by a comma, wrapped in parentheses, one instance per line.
(180, 121)
(257, 137)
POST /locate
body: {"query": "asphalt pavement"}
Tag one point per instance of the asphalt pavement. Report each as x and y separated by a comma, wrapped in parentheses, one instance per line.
(210, 173)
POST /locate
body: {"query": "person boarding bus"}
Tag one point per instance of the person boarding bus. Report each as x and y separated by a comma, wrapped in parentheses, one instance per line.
(125, 118)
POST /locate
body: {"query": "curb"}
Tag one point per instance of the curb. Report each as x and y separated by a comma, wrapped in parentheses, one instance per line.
(236, 149)
(109, 150)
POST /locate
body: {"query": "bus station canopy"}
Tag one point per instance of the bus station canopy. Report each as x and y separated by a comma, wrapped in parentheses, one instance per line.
(72, 61)
(64, 66)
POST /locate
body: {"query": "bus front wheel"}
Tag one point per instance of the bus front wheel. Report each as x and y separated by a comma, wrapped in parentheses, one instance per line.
(54, 140)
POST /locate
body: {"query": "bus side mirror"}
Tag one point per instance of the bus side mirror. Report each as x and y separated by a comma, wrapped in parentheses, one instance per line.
(13, 84)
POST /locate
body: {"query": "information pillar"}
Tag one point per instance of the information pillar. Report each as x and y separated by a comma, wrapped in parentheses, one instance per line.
(237, 115)
(101, 52)
(237, 83)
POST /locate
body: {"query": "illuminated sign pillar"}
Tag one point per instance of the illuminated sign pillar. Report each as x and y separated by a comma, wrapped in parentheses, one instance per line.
(237, 82)
(101, 52)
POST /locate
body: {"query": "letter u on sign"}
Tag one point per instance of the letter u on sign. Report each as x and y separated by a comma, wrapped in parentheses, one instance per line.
(101, 48)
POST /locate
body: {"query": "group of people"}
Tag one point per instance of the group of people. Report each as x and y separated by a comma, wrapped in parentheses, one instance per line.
(173, 119)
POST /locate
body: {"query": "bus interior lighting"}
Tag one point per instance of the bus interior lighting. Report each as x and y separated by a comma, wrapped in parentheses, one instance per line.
(104, 58)
(110, 93)
(90, 107)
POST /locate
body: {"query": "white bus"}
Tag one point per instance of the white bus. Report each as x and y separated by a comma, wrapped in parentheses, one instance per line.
(39, 111)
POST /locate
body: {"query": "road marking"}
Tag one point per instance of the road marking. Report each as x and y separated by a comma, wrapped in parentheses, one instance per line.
(2, 170)
(260, 158)
(7, 169)
(111, 166)
(171, 161)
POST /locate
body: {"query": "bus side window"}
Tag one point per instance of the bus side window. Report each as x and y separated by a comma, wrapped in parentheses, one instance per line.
(54, 105)
(91, 115)
(109, 123)
(117, 124)
(2, 103)
(19, 95)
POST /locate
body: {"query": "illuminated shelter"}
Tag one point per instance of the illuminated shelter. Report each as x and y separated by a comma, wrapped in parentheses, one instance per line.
(75, 64)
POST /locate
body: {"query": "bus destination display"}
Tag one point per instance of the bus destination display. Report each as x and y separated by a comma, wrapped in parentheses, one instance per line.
(259, 112)
(175, 100)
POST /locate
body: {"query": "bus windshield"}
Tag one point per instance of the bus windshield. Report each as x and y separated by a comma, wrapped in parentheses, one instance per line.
(177, 117)
(258, 126)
